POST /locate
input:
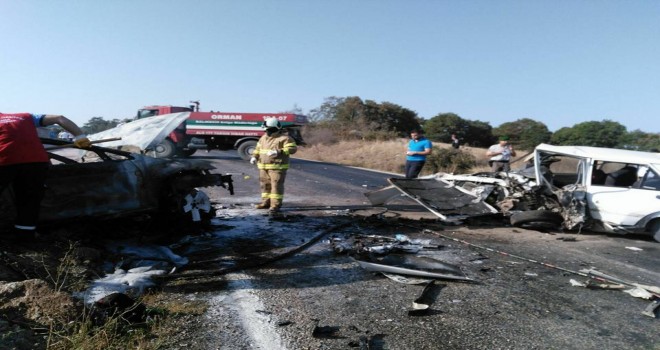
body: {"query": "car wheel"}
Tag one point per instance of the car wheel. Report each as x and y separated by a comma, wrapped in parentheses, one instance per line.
(165, 149)
(196, 205)
(246, 149)
(536, 219)
(655, 229)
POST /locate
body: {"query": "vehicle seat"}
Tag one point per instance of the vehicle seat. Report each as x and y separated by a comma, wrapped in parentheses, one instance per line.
(598, 177)
(623, 177)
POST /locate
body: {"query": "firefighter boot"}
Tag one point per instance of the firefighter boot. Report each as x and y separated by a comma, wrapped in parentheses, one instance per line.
(265, 204)
(275, 205)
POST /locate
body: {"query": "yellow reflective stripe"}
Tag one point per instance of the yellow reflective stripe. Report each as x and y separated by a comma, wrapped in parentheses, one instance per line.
(273, 166)
(288, 147)
(276, 196)
(265, 151)
(265, 195)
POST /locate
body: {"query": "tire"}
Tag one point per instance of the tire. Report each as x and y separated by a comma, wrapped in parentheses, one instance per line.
(655, 229)
(536, 219)
(165, 149)
(246, 149)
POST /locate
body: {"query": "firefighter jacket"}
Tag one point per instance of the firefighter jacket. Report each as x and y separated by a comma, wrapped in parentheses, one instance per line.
(283, 144)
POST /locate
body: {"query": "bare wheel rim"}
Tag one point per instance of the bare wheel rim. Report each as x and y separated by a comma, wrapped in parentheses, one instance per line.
(194, 202)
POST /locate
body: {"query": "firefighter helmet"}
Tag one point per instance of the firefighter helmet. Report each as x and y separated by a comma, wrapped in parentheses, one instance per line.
(272, 123)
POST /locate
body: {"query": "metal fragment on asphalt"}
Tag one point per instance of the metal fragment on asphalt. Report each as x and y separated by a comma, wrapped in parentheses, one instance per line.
(650, 309)
(422, 304)
(414, 266)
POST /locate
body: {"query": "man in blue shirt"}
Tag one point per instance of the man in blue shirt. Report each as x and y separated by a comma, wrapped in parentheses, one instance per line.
(418, 148)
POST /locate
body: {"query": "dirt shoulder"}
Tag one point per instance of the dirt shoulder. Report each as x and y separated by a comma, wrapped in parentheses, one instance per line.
(294, 300)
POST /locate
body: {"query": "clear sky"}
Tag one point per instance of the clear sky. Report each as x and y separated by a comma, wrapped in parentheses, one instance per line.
(560, 62)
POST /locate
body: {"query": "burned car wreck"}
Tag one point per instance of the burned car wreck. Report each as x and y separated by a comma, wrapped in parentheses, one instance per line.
(577, 187)
(107, 183)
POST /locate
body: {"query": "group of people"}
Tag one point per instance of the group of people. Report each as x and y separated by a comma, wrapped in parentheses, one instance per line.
(24, 162)
(419, 147)
(275, 148)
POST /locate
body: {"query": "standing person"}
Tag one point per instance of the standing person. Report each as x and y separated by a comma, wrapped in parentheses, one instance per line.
(418, 148)
(272, 158)
(500, 154)
(24, 164)
(455, 143)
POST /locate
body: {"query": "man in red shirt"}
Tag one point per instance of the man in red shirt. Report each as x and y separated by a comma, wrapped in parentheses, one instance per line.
(24, 164)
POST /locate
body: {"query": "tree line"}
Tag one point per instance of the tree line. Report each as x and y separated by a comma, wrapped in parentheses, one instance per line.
(351, 117)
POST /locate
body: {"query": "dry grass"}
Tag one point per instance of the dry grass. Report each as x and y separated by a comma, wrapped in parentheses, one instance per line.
(166, 315)
(175, 305)
(381, 155)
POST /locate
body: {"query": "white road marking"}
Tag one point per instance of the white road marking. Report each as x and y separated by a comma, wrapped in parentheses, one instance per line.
(245, 304)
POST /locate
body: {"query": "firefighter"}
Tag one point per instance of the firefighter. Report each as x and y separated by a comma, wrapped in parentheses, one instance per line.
(272, 159)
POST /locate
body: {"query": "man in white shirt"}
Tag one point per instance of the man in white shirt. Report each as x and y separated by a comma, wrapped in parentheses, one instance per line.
(500, 154)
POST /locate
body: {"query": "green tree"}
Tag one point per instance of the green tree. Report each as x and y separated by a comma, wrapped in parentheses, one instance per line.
(563, 136)
(387, 116)
(443, 125)
(472, 132)
(351, 116)
(350, 111)
(606, 133)
(327, 110)
(641, 141)
(525, 133)
(449, 161)
(98, 124)
(479, 134)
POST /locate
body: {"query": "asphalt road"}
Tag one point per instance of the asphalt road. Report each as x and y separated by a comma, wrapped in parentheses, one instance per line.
(318, 299)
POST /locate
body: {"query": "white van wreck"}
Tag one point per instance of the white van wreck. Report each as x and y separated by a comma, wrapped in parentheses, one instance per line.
(577, 187)
(620, 189)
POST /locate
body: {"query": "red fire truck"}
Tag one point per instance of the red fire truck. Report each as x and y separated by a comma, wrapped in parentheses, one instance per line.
(218, 130)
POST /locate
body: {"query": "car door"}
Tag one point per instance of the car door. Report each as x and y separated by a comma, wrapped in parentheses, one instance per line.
(104, 187)
(622, 204)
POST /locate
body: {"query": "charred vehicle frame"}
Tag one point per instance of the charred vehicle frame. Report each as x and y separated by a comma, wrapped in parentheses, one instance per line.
(107, 183)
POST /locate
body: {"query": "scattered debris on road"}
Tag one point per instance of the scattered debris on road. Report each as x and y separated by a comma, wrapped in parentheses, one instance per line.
(422, 304)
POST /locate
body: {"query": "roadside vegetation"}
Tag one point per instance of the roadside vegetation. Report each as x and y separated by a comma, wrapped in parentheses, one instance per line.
(352, 118)
(390, 156)
(350, 131)
(39, 310)
(119, 332)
